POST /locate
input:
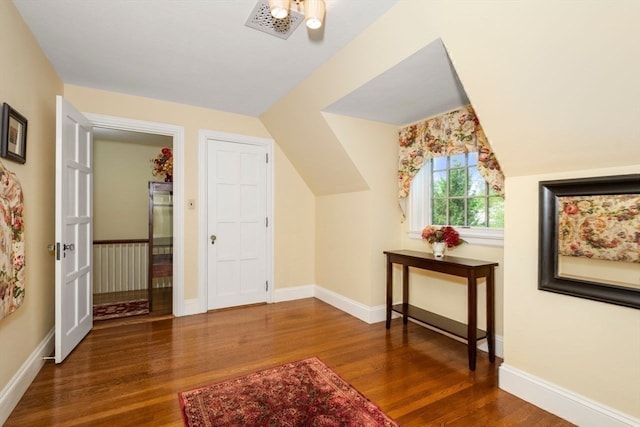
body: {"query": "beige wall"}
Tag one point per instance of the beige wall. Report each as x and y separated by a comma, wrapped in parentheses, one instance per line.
(122, 172)
(29, 84)
(353, 229)
(588, 347)
(193, 119)
(294, 226)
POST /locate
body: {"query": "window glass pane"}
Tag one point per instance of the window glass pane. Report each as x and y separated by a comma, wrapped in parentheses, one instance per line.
(472, 158)
(477, 184)
(439, 212)
(439, 163)
(457, 160)
(459, 194)
(456, 212)
(457, 182)
(477, 212)
(440, 184)
(496, 212)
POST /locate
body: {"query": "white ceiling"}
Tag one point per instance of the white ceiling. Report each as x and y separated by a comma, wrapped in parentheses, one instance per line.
(423, 85)
(200, 52)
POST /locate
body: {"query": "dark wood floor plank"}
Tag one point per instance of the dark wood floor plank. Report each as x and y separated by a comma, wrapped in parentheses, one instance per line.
(130, 374)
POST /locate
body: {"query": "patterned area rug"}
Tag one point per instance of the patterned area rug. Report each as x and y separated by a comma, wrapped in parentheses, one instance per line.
(303, 393)
(120, 309)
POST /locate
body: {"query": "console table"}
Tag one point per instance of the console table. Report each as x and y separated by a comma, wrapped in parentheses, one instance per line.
(462, 267)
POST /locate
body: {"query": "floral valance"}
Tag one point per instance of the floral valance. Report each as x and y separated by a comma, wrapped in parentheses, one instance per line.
(456, 132)
(11, 243)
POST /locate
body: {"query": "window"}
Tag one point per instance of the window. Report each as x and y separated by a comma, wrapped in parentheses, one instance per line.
(449, 190)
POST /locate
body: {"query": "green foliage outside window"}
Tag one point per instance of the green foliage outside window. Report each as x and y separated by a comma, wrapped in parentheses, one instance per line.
(460, 196)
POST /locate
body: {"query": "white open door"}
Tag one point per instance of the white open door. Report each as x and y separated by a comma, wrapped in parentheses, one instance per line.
(237, 224)
(74, 234)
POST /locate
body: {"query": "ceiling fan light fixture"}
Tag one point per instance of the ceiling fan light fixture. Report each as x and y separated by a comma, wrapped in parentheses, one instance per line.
(279, 8)
(314, 11)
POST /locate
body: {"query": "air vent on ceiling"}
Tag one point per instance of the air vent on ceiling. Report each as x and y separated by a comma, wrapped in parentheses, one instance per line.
(261, 19)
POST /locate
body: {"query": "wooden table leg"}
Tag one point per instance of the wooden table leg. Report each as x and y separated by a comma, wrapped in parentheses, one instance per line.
(405, 293)
(491, 316)
(472, 319)
(389, 290)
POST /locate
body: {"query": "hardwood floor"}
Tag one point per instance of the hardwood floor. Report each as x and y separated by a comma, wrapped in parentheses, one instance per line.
(131, 374)
(161, 306)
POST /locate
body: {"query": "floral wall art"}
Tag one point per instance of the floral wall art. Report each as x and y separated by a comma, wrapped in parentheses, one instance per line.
(11, 243)
(600, 227)
(589, 238)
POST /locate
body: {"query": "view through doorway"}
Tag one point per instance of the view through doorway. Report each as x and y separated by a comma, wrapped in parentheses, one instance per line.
(132, 225)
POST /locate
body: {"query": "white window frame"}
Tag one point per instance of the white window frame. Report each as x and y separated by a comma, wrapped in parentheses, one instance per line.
(419, 208)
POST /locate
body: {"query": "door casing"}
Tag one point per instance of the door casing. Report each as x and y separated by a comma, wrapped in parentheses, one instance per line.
(180, 307)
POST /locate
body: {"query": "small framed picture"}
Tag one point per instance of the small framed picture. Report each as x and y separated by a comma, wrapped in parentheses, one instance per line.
(13, 142)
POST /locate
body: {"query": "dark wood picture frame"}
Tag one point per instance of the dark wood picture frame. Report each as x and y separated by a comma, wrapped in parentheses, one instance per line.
(13, 142)
(548, 277)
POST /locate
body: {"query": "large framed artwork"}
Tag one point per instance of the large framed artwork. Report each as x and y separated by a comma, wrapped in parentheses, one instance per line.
(589, 238)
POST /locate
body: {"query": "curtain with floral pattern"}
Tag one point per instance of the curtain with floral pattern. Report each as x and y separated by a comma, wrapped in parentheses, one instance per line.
(456, 132)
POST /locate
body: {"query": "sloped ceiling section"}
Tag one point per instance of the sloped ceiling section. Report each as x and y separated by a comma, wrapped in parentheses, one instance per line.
(422, 86)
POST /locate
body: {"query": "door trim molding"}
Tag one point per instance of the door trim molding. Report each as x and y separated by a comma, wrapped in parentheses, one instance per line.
(177, 132)
(204, 136)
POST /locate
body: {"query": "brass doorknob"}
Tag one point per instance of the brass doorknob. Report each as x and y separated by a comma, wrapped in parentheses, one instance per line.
(213, 239)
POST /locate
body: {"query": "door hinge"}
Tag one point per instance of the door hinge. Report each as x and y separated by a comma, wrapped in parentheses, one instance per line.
(58, 251)
(266, 286)
(266, 222)
(266, 157)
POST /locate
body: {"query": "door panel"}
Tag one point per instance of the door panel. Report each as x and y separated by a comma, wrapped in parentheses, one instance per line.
(237, 214)
(74, 182)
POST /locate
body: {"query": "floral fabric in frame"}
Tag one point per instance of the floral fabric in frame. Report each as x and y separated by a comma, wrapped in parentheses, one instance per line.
(11, 243)
(603, 227)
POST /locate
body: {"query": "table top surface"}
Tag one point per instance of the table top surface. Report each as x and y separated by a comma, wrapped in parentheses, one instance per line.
(446, 259)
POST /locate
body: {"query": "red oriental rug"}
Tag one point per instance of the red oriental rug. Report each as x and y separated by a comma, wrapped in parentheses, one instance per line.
(116, 310)
(303, 393)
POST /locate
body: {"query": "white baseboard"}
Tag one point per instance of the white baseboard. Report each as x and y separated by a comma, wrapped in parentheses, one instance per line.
(294, 293)
(499, 346)
(191, 306)
(363, 312)
(561, 402)
(18, 385)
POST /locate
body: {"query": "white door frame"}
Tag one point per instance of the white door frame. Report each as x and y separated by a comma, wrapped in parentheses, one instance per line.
(203, 240)
(177, 132)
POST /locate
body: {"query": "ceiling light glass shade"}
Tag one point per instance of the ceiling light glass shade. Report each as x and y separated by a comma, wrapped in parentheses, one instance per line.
(314, 13)
(279, 8)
